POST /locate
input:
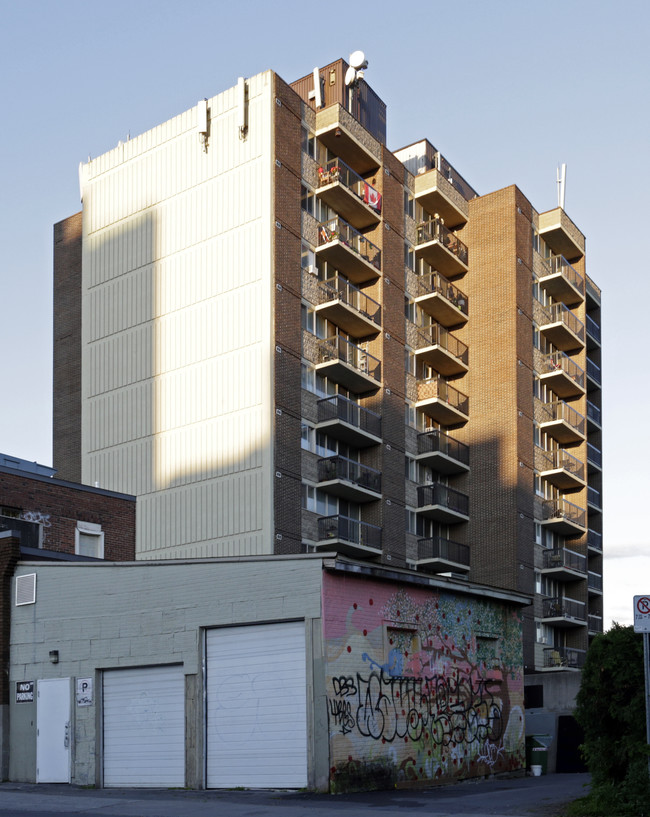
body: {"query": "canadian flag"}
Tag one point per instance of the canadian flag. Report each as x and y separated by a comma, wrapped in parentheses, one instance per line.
(372, 197)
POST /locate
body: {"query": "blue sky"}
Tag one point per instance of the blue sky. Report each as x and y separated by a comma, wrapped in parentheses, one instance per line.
(506, 90)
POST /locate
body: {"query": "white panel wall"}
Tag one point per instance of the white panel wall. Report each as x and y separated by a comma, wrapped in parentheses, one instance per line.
(177, 346)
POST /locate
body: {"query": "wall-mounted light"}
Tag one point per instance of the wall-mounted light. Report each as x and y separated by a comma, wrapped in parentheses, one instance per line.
(54, 656)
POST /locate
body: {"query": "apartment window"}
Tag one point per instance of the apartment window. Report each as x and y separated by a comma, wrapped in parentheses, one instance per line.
(89, 540)
(411, 469)
(306, 200)
(409, 204)
(317, 501)
(307, 257)
(539, 488)
(307, 437)
(307, 318)
(538, 582)
(538, 534)
(308, 143)
(544, 634)
(411, 521)
(409, 258)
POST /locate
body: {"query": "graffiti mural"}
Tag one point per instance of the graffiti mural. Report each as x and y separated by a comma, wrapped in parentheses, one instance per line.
(421, 684)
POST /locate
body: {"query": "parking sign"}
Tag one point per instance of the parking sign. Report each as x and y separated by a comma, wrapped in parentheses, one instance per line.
(642, 614)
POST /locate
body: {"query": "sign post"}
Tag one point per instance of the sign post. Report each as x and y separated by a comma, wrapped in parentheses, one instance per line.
(642, 625)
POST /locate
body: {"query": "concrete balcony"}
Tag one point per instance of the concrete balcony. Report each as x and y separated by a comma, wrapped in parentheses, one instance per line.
(593, 333)
(340, 188)
(349, 479)
(437, 555)
(564, 612)
(594, 459)
(349, 536)
(594, 500)
(564, 517)
(442, 503)
(346, 306)
(438, 348)
(439, 298)
(594, 624)
(560, 468)
(595, 583)
(560, 326)
(594, 377)
(562, 422)
(595, 541)
(437, 194)
(442, 402)
(441, 249)
(561, 658)
(339, 131)
(562, 281)
(561, 374)
(346, 420)
(347, 364)
(348, 251)
(561, 234)
(442, 453)
(564, 565)
(594, 418)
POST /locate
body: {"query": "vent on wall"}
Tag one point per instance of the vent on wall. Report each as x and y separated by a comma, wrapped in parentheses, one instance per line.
(26, 589)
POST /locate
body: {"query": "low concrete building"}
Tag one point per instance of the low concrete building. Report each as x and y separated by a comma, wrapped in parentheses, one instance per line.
(300, 671)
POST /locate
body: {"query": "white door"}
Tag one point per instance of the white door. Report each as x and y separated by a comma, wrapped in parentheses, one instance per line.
(257, 706)
(53, 730)
(144, 727)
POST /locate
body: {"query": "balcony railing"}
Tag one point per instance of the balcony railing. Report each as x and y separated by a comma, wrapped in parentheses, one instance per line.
(436, 441)
(561, 412)
(564, 608)
(559, 459)
(593, 498)
(445, 550)
(594, 455)
(337, 171)
(332, 468)
(595, 540)
(593, 412)
(437, 387)
(348, 195)
(438, 347)
(340, 289)
(434, 230)
(564, 657)
(558, 363)
(338, 407)
(593, 371)
(595, 581)
(349, 530)
(444, 496)
(593, 329)
(435, 283)
(562, 510)
(336, 229)
(594, 624)
(566, 559)
(560, 314)
(343, 350)
(561, 280)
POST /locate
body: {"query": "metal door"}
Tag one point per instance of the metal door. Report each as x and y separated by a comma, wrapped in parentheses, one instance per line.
(53, 730)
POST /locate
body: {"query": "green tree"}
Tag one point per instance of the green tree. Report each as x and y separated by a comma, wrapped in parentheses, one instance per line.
(611, 711)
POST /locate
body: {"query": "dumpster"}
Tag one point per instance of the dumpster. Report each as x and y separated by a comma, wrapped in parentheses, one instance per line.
(537, 747)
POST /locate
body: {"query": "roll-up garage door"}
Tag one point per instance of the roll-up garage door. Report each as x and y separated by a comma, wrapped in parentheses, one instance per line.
(257, 706)
(144, 727)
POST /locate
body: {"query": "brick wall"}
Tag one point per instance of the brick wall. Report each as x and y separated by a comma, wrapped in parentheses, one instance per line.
(67, 348)
(59, 506)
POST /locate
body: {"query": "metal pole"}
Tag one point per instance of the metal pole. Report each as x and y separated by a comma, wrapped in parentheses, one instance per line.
(646, 667)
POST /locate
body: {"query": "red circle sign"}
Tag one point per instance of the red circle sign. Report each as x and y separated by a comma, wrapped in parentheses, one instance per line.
(643, 605)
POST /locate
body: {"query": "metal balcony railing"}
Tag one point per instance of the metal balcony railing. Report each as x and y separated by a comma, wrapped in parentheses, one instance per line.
(558, 264)
(593, 371)
(336, 229)
(339, 348)
(594, 540)
(434, 282)
(559, 361)
(593, 497)
(593, 329)
(349, 530)
(339, 288)
(434, 230)
(563, 608)
(595, 581)
(564, 657)
(438, 494)
(330, 468)
(432, 387)
(436, 441)
(565, 558)
(554, 460)
(342, 408)
(594, 455)
(337, 171)
(594, 623)
(559, 410)
(421, 337)
(561, 509)
(593, 412)
(559, 313)
(445, 549)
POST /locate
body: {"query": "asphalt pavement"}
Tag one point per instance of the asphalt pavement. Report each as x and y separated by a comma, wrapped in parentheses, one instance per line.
(516, 797)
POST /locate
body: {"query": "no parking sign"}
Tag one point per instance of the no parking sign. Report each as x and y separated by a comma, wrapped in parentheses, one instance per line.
(642, 614)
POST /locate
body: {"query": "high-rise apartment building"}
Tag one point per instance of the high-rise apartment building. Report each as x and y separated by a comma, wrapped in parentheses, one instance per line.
(283, 336)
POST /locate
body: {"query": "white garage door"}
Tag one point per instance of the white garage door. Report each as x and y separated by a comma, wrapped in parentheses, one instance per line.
(144, 727)
(257, 706)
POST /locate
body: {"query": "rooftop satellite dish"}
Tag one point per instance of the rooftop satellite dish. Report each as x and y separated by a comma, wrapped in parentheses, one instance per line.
(350, 75)
(358, 60)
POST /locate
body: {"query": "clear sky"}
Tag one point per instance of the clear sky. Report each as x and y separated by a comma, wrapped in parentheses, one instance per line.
(506, 90)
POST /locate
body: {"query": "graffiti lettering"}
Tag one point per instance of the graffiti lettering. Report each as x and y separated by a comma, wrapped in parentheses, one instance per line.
(344, 686)
(341, 714)
(38, 517)
(489, 754)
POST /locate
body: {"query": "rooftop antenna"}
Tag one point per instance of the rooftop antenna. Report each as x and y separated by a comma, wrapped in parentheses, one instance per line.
(316, 94)
(561, 185)
(358, 63)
